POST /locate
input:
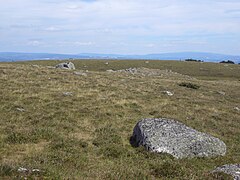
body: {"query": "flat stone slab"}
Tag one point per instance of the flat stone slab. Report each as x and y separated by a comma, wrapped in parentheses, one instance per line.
(231, 169)
(172, 137)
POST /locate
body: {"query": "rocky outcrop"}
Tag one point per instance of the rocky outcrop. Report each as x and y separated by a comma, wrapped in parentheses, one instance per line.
(175, 138)
(150, 72)
(232, 169)
(66, 65)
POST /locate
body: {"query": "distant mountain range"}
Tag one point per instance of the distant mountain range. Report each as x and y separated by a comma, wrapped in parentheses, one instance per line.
(207, 57)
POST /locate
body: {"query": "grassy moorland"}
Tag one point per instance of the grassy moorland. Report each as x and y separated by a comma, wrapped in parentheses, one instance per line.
(70, 126)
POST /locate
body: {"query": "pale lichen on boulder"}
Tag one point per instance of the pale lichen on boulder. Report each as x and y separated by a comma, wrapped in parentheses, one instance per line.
(175, 138)
(231, 169)
(66, 65)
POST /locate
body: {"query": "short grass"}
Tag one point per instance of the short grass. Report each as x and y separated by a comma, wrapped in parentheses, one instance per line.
(86, 135)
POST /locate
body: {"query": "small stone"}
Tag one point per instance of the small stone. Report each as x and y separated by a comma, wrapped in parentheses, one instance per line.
(68, 94)
(222, 93)
(237, 108)
(80, 73)
(168, 93)
(35, 170)
(20, 109)
(21, 169)
(34, 65)
(51, 67)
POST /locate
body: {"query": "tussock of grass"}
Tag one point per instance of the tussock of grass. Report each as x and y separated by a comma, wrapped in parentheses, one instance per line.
(189, 85)
(86, 135)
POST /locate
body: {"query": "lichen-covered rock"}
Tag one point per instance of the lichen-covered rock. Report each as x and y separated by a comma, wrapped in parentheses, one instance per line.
(231, 169)
(66, 65)
(172, 137)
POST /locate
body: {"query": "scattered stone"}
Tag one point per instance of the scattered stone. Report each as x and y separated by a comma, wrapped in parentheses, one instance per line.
(66, 65)
(22, 170)
(34, 65)
(25, 170)
(222, 93)
(68, 94)
(151, 72)
(231, 169)
(51, 67)
(20, 109)
(110, 70)
(107, 63)
(237, 108)
(146, 62)
(129, 70)
(35, 170)
(80, 73)
(168, 93)
(172, 137)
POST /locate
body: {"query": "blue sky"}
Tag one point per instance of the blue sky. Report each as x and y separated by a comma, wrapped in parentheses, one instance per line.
(120, 26)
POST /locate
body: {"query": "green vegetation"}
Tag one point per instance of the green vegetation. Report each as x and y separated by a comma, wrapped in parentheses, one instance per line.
(194, 60)
(189, 85)
(86, 135)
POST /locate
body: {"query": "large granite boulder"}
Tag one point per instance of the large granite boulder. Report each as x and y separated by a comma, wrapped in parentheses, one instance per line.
(172, 137)
(231, 169)
(66, 65)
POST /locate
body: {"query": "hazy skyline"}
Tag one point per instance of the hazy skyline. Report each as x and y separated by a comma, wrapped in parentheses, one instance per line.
(120, 26)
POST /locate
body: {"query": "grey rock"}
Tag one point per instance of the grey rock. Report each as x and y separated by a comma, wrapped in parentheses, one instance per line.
(67, 93)
(80, 73)
(51, 67)
(35, 170)
(34, 65)
(237, 108)
(168, 93)
(20, 109)
(21, 169)
(151, 72)
(66, 65)
(110, 70)
(222, 93)
(231, 169)
(172, 137)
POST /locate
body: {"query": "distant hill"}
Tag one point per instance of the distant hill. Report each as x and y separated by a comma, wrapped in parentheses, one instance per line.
(207, 57)
(14, 56)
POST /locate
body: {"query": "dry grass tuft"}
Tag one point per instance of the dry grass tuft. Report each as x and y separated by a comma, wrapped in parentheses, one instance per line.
(85, 135)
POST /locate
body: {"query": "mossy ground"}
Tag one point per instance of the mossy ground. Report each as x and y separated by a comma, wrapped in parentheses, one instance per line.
(86, 135)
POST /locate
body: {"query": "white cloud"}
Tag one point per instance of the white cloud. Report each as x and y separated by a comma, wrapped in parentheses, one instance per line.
(52, 28)
(75, 43)
(34, 43)
(150, 45)
(134, 22)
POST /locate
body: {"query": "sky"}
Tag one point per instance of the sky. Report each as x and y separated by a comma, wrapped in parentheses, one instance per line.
(120, 26)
